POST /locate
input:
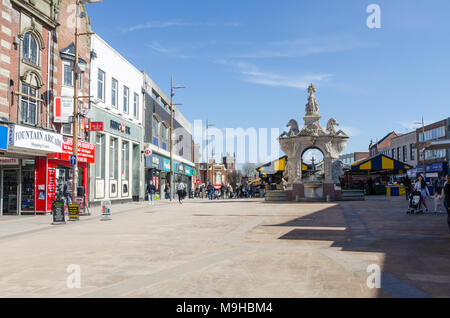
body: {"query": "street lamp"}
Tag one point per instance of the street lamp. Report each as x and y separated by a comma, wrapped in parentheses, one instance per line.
(172, 110)
(77, 70)
(207, 142)
(423, 146)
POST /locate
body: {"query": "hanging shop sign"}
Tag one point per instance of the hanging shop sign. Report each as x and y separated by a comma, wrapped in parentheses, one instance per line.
(96, 126)
(120, 127)
(63, 109)
(3, 138)
(27, 138)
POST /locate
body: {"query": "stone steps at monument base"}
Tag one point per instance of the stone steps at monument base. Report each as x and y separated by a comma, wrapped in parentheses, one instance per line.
(352, 195)
(276, 196)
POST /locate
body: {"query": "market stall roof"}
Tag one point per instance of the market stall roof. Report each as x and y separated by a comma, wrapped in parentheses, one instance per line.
(379, 162)
(276, 166)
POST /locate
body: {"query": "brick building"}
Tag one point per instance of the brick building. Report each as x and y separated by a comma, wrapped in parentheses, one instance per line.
(34, 162)
(382, 146)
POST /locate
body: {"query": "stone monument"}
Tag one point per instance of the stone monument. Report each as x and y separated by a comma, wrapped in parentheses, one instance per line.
(312, 136)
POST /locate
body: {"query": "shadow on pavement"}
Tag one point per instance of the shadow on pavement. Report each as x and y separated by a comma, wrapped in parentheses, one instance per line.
(416, 251)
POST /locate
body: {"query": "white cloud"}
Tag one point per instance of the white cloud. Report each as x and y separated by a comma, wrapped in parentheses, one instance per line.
(350, 131)
(252, 74)
(413, 124)
(168, 24)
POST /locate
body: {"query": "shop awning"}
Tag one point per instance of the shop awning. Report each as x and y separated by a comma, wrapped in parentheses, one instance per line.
(276, 166)
(378, 163)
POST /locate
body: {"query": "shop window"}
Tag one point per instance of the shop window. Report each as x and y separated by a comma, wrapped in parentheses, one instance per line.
(29, 104)
(100, 156)
(27, 200)
(125, 160)
(113, 158)
(30, 48)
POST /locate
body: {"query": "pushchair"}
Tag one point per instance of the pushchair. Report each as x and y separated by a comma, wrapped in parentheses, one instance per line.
(415, 203)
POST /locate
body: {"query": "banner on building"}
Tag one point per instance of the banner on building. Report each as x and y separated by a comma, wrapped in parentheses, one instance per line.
(63, 109)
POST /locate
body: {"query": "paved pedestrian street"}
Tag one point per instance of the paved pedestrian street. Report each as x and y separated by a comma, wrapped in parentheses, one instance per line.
(229, 248)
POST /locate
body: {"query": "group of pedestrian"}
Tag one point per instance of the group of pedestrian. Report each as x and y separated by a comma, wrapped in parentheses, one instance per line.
(151, 192)
(441, 196)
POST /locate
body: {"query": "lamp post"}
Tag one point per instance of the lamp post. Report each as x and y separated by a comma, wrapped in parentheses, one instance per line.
(423, 146)
(207, 150)
(172, 110)
(77, 71)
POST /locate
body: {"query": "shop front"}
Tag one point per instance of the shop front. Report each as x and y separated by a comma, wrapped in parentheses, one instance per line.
(21, 184)
(158, 170)
(116, 174)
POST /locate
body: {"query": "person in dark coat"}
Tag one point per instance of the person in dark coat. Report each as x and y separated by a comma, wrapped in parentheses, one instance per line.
(447, 199)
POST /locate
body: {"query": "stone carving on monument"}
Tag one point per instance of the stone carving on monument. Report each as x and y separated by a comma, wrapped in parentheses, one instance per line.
(313, 136)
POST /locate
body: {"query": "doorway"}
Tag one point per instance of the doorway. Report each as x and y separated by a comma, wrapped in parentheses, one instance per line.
(9, 195)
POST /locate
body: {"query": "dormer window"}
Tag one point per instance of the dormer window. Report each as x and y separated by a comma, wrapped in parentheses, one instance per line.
(30, 48)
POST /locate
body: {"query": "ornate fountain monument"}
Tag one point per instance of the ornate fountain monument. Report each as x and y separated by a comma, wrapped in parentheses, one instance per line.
(312, 136)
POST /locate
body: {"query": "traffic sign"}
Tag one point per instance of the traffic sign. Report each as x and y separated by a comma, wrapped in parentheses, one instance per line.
(73, 160)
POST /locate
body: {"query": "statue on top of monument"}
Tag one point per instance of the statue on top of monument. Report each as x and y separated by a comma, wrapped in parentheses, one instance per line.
(312, 107)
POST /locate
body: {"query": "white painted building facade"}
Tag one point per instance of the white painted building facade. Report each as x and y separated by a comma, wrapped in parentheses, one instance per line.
(116, 87)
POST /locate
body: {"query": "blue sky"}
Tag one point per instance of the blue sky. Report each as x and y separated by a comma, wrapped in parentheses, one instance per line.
(247, 63)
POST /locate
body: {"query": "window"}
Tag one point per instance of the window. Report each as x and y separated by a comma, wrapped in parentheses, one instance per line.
(164, 136)
(433, 134)
(155, 130)
(68, 75)
(136, 106)
(29, 104)
(393, 153)
(405, 153)
(114, 92)
(30, 48)
(101, 85)
(435, 154)
(412, 153)
(125, 160)
(113, 158)
(398, 154)
(100, 156)
(126, 99)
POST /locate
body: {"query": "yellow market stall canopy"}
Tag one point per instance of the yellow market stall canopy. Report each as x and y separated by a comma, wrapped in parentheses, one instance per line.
(378, 163)
(276, 166)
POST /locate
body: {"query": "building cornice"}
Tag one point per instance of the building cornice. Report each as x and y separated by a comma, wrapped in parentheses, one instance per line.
(28, 7)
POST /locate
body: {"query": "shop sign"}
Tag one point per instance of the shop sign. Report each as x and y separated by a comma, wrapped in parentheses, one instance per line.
(188, 171)
(34, 139)
(166, 165)
(433, 167)
(155, 162)
(120, 127)
(180, 169)
(86, 151)
(96, 126)
(147, 152)
(63, 109)
(9, 162)
(74, 212)
(3, 138)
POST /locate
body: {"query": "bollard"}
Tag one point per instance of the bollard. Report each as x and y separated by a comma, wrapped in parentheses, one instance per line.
(328, 198)
(106, 211)
(297, 198)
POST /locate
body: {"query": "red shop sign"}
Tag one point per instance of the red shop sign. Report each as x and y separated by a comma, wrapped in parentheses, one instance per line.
(86, 151)
(97, 126)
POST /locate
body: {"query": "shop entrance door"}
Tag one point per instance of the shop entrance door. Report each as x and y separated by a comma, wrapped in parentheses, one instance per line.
(9, 198)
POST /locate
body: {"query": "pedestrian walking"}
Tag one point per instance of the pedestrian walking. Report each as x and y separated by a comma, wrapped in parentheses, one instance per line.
(421, 186)
(166, 191)
(68, 187)
(447, 200)
(151, 190)
(181, 191)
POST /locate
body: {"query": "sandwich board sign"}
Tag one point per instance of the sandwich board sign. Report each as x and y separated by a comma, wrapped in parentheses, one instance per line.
(58, 212)
(106, 210)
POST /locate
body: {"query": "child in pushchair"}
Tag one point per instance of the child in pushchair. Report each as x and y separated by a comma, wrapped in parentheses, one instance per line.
(415, 203)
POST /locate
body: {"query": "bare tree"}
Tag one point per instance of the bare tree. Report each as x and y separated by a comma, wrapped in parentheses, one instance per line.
(249, 170)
